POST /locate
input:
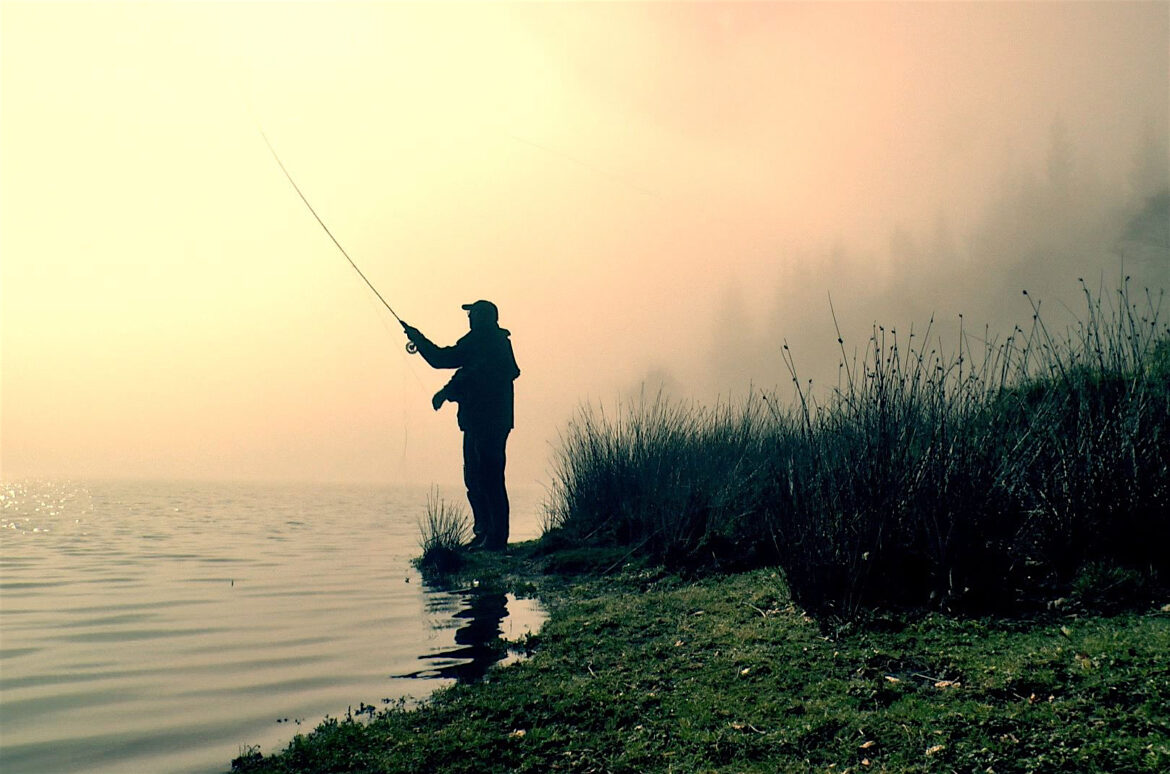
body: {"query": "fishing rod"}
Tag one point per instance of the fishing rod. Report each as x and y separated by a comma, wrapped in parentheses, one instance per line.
(410, 345)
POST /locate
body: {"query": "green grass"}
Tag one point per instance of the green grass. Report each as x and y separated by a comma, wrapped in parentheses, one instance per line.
(643, 672)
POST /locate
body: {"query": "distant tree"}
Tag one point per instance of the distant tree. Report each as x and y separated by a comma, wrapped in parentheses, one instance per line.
(1150, 173)
(1061, 162)
(1151, 225)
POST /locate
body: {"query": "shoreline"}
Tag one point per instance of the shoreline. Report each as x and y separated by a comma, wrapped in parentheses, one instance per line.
(645, 671)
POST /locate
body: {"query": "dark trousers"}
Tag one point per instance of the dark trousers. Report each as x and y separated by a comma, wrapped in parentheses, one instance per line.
(483, 473)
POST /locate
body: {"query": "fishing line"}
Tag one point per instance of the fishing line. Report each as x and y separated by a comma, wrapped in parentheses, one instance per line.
(390, 332)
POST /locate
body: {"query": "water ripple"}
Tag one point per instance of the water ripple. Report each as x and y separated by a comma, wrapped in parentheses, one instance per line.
(161, 628)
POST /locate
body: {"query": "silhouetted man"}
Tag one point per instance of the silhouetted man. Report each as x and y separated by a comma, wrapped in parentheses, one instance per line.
(483, 389)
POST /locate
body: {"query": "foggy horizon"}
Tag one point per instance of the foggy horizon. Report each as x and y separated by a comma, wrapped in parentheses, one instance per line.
(655, 196)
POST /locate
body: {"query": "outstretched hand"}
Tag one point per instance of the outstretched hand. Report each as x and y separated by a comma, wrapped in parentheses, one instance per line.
(411, 332)
(438, 400)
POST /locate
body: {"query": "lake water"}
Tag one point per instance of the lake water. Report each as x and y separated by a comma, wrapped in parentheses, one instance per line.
(164, 628)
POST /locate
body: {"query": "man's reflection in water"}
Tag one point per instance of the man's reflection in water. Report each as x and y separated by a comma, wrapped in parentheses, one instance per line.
(478, 639)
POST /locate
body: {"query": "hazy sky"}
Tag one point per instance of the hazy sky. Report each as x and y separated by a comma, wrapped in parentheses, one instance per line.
(650, 192)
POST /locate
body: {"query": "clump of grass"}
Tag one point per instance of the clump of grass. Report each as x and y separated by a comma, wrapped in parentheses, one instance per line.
(986, 480)
(443, 534)
(672, 481)
(983, 481)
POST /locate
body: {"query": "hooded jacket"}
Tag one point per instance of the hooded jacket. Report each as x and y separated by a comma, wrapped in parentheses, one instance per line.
(482, 385)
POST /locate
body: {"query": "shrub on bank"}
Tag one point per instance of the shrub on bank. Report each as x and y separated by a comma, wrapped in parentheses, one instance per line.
(982, 482)
(443, 535)
(670, 481)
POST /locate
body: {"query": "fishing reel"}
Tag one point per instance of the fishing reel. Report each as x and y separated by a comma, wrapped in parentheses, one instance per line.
(411, 348)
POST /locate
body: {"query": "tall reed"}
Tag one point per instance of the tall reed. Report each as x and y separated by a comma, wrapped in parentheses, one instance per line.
(980, 481)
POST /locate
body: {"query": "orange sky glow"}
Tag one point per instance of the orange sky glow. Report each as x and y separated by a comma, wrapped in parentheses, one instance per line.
(652, 193)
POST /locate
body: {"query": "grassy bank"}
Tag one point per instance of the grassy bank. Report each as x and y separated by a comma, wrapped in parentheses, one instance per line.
(641, 672)
(947, 565)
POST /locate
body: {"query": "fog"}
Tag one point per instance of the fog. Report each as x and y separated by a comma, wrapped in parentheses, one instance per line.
(655, 195)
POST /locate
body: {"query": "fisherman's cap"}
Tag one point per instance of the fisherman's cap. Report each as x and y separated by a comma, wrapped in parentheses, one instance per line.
(485, 308)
